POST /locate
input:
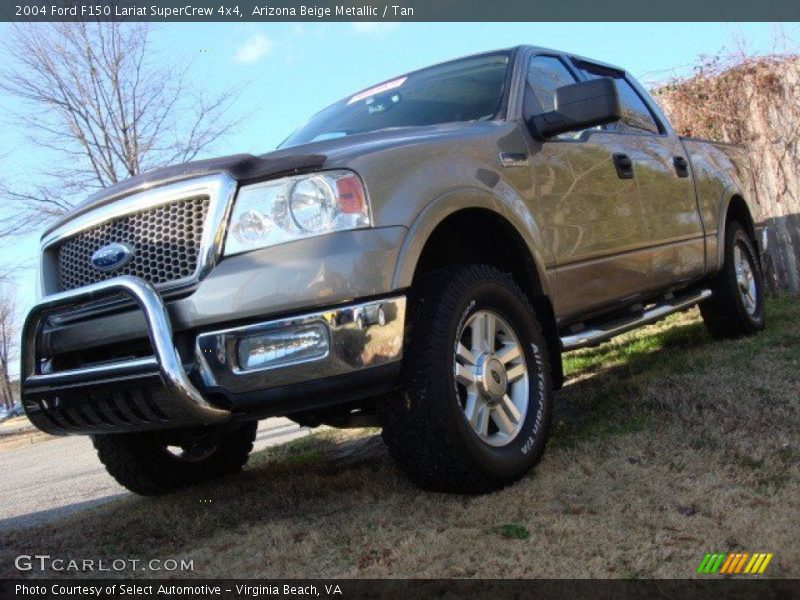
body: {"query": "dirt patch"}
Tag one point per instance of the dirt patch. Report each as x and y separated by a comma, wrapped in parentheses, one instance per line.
(666, 445)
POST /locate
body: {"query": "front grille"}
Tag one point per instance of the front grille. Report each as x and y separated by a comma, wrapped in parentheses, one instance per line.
(165, 239)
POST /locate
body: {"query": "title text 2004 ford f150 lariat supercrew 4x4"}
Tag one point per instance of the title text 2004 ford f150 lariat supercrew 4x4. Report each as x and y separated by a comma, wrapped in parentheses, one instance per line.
(417, 256)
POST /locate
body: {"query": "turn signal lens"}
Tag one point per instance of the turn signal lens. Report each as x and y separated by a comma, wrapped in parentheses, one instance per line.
(351, 195)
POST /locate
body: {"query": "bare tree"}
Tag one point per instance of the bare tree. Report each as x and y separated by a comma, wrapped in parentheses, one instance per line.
(751, 99)
(8, 343)
(100, 99)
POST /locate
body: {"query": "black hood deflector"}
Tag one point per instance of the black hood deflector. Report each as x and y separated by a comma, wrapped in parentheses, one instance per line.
(245, 168)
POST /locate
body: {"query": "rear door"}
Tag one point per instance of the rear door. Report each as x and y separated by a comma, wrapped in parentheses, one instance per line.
(669, 204)
(587, 203)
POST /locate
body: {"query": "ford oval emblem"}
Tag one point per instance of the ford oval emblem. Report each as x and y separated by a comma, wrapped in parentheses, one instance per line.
(111, 257)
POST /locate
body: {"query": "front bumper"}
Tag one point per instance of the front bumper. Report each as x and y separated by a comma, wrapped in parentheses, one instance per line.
(167, 391)
(311, 274)
(360, 336)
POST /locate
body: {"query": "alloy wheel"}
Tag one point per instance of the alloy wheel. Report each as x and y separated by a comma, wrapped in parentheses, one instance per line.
(491, 377)
(745, 278)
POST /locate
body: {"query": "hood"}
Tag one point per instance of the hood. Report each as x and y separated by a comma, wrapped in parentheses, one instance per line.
(247, 168)
(344, 148)
(242, 167)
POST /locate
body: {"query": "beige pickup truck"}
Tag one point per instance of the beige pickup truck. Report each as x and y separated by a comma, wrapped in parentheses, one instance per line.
(417, 256)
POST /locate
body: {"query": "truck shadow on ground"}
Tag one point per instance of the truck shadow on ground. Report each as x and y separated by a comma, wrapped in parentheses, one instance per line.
(330, 475)
(53, 514)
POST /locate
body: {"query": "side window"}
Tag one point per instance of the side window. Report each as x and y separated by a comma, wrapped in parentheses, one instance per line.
(545, 75)
(635, 114)
(636, 117)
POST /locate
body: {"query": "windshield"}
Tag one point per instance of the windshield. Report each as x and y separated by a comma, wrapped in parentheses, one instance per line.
(469, 89)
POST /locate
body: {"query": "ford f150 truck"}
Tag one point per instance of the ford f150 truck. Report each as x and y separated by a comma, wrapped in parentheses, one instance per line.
(417, 256)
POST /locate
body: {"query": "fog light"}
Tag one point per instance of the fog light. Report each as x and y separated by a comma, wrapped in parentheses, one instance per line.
(283, 347)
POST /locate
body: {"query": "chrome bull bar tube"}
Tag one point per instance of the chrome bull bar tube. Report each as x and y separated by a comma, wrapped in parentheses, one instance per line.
(166, 360)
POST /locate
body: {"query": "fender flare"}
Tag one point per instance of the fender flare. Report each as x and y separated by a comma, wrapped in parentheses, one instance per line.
(510, 207)
(727, 199)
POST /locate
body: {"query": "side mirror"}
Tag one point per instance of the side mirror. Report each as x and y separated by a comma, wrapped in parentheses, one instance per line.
(579, 106)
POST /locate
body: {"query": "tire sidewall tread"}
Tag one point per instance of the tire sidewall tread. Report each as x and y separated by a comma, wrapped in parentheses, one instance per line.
(724, 313)
(424, 425)
(141, 462)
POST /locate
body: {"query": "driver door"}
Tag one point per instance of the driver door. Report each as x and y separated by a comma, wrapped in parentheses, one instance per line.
(588, 202)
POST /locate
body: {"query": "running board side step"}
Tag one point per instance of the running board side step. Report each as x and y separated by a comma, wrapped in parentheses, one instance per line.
(597, 334)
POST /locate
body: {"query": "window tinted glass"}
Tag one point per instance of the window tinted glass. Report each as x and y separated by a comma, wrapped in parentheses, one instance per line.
(545, 75)
(470, 89)
(636, 117)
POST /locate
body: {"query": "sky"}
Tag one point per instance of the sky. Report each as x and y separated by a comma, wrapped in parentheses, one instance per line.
(288, 71)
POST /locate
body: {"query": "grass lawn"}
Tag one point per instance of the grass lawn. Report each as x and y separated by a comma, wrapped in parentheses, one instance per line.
(665, 445)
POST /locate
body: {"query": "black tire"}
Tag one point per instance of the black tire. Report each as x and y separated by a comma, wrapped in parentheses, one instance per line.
(725, 314)
(143, 463)
(424, 425)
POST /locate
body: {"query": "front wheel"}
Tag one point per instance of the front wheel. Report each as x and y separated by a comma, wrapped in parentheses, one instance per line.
(474, 411)
(158, 462)
(736, 307)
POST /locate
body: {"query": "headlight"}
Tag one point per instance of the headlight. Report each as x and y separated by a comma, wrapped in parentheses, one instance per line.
(292, 208)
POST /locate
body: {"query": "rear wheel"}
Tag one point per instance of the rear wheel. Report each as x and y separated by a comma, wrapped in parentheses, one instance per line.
(474, 412)
(737, 305)
(152, 463)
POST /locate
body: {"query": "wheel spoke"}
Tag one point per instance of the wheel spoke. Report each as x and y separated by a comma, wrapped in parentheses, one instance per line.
(502, 421)
(483, 333)
(516, 372)
(482, 423)
(491, 329)
(510, 409)
(478, 330)
(471, 409)
(508, 353)
(464, 375)
(463, 352)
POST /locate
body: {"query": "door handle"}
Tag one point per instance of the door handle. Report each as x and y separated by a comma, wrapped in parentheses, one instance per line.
(624, 165)
(681, 166)
(513, 159)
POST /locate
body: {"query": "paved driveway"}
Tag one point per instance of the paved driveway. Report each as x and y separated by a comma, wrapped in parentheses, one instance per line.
(44, 481)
